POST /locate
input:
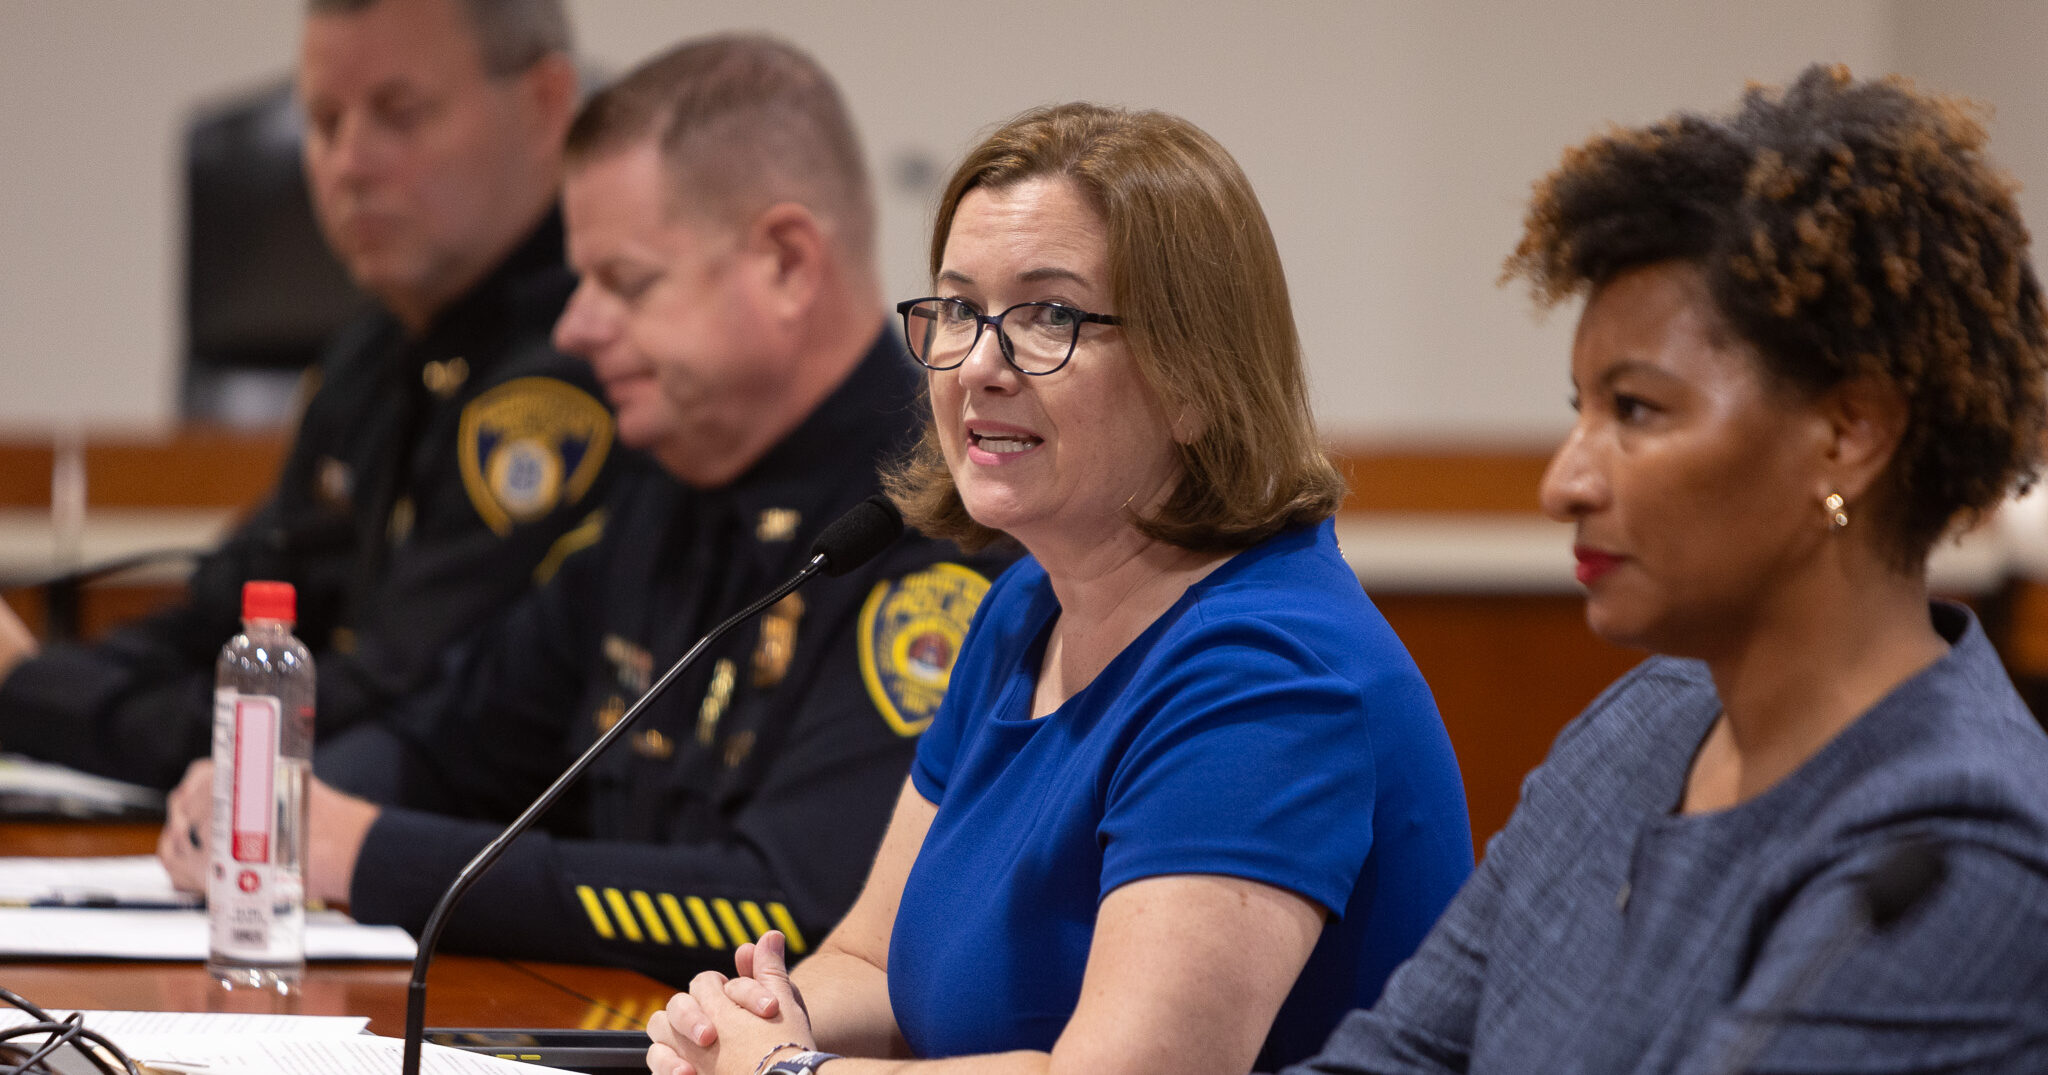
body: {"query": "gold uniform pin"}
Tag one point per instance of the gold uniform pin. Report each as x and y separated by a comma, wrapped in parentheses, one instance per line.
(609, 713)
(715, 701)
(653, 744)
(778, 641)
(777, 524)
(398, 526)
(335, 483)
(444, 379)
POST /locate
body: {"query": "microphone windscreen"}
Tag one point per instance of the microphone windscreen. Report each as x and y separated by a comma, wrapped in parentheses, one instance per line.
(855, 537)
(1901, 879)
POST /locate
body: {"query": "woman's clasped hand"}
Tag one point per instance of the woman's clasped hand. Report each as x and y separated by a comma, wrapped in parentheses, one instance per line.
(758, 1007)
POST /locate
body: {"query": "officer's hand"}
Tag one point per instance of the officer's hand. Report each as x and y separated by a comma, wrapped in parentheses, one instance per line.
(17, 643)
(338, 823)
(188, 827)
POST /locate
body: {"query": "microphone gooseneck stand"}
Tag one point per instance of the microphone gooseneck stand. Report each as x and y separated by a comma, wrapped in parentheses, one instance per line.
(1903, 877)
(852, 540)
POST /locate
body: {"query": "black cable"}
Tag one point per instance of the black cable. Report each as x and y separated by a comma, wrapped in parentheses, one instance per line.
(68, 1031)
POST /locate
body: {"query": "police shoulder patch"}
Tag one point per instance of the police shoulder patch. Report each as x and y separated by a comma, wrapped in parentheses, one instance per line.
(910, 632)
(530, 444)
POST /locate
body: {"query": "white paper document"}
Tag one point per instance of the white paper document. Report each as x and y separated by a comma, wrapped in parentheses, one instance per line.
(73, 933)
(118, 1025)
(349, 1056)
(119, 881)
(208, 1043)
(30, 788)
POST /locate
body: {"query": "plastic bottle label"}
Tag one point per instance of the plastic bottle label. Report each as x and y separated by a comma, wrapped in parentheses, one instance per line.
(239, 890)
(255, 799)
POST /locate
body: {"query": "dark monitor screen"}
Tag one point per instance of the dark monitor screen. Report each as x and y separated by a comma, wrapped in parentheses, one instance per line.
(262, 293)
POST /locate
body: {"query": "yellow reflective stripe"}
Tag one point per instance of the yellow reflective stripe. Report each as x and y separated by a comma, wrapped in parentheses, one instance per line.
(647, 914)
(624, 914)
(701, 915)
(595, 910)
(731, 920)
(584, 536)
(674, 911)
(757, 923)
(787, 925)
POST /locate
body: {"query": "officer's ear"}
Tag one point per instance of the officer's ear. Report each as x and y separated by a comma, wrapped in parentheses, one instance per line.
(548, 90)
(786, 252)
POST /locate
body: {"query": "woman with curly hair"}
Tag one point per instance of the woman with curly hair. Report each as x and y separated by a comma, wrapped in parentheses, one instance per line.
(1812, 834)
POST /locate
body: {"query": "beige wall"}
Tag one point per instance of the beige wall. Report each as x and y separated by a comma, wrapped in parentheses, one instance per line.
(1393, 144)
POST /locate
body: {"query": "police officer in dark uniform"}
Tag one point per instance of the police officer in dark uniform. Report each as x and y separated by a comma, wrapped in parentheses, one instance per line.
(762, 779)
(449, 447)
(730, 307)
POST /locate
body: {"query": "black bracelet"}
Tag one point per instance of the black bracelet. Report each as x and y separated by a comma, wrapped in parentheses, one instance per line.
(805, 1063)
(763, 1065)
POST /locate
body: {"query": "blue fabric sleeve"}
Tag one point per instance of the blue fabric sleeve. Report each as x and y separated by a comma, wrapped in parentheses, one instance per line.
(939, 745)
(1228, 773)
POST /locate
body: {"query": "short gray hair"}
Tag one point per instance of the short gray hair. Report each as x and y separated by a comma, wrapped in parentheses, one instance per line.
(511, 35)
(743, 121)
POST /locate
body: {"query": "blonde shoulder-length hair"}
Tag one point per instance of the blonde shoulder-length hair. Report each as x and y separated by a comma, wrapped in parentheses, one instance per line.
(1196, 279)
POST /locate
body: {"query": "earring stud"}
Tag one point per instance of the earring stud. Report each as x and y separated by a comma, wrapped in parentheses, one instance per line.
(1837, 518)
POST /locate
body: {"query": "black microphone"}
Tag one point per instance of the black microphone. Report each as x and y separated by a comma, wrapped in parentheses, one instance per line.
(1902, 879)
(852, 540)
(95, 571)
(857, 536)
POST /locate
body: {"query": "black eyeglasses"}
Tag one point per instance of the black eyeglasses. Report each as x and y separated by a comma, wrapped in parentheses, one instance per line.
(1036, 338)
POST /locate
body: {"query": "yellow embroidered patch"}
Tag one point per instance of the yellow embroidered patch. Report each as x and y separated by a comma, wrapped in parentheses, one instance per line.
(910, 634)
(528, 445)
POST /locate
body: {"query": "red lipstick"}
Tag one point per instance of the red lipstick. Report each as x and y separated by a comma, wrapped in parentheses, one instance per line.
(1594, 563)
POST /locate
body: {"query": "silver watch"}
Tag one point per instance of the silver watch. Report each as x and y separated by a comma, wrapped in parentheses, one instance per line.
(801, 1064)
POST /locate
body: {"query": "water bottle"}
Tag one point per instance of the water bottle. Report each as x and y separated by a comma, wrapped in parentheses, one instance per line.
(262, 759)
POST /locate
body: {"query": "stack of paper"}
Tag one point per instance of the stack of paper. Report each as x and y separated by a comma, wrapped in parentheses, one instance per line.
(66, 933)
(119, 881)
(125, 908)
(181, 1043)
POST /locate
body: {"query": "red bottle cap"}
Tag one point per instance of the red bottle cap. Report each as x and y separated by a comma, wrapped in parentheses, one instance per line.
(269, 601)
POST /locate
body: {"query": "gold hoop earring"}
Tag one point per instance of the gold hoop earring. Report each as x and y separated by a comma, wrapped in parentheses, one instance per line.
(1837, 518)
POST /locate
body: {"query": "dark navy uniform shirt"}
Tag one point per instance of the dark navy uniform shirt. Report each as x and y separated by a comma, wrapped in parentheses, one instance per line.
(754, 793)
(430, 479)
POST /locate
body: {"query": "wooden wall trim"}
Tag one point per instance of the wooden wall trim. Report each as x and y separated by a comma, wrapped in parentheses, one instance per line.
(210, 466)
(199, 467)
(25, 473)
(193, 467)
(1453, 480)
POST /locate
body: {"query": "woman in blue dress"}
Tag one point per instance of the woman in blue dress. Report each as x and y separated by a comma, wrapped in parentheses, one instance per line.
(1187, 798)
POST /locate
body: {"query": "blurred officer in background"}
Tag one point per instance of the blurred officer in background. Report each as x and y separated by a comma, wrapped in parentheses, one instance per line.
(449, 452)
(720, 212)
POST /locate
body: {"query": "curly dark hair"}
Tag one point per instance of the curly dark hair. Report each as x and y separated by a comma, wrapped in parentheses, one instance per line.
(1846, 230)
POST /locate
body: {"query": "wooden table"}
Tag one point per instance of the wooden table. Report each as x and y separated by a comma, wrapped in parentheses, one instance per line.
(468, 991)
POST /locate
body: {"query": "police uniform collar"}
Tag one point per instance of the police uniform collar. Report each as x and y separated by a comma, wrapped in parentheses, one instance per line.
(875, 412)
(517, 291)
